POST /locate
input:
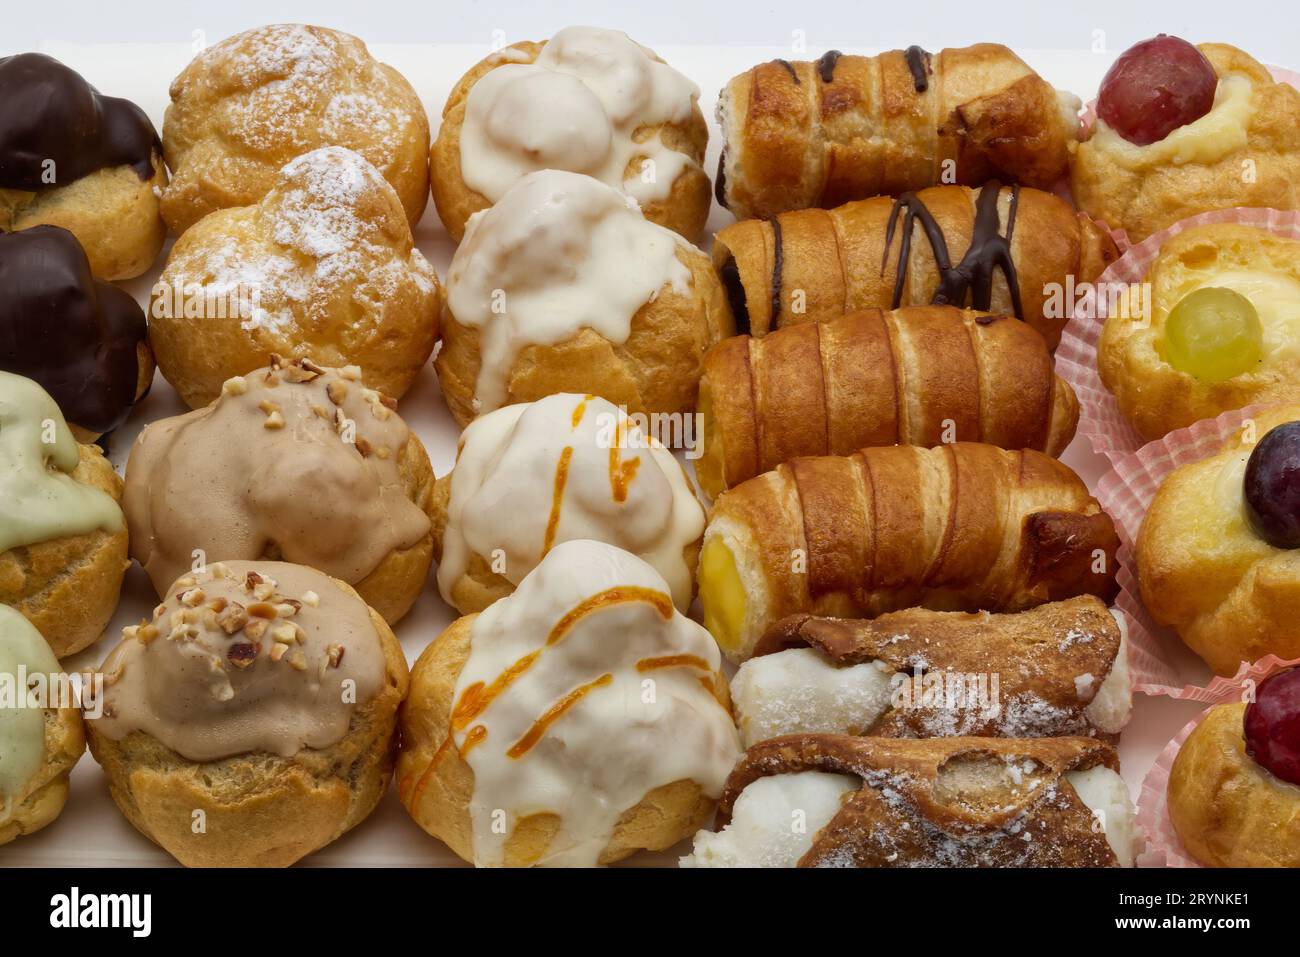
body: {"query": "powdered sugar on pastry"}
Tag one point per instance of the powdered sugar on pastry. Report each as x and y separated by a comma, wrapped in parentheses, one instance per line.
(558, 253)
(583, 105)
(532, 475)
(584, 691)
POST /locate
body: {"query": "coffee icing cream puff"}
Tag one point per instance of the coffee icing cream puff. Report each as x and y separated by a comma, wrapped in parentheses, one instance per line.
(563, 286)
(566, 467)
(583, 707)
(311, 467)
(588, 101)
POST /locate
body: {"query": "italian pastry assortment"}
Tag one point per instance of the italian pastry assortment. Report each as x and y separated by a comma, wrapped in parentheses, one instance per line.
(771, 527)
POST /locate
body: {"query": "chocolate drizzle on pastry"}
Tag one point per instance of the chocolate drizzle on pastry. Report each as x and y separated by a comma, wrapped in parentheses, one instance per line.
(918, 62)
(720, 183)
(778, 266)
(826, 65)
(49, 113)
(790, 69)
(75, 335)
(973, 277)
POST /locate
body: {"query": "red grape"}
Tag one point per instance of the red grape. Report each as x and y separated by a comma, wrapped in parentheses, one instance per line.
(1271, 486)
(1272, 725)
(1155, 87)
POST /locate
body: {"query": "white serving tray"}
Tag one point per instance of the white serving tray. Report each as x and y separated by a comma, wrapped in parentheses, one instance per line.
(91, 832)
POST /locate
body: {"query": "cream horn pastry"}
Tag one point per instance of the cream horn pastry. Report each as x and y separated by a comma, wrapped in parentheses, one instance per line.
(572, 723)
(920, 375)
(532, 475)
(293, 462)
(937, 802)
(961, 527)
(563, 286)
(261, 699)
(804, 134)
(1056, 670)
(994, 249)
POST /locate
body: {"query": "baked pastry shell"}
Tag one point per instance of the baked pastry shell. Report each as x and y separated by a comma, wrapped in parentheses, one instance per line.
(41, 800)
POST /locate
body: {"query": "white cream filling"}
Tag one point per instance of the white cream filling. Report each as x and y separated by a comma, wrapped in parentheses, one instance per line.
(1110, 708)
(1106, 795)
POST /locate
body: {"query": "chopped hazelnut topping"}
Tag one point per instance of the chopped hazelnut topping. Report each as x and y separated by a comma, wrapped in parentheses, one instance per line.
(218, 604)
(274, 421)
(286, 633)
(310, 598)
(278, 650)
(335, 654)
(364, 447)
(256, 628)
(302, 371)
(147, 633)
(242, 654)
(321, 411)
(130, 632)
(159, 611)
(189, 581)
(232, 618)
(263, 609)
(236, 386)
(219, 570)
(351, 373)
(277, 361)
(193, 598)
(337, 391)
(267, 406)
(298, 661)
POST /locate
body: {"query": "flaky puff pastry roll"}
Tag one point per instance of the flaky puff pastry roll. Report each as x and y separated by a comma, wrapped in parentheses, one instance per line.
(806, 134)
(962, 527)
(920, 375)
(1006, 250)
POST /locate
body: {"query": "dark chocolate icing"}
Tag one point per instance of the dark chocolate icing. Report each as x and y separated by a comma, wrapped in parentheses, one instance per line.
(826, 65)
(730, 275)
(918, 62)
(973, 276)
(790, 67)
(778, 267)
(720, 184)
(75, 335)
(49, 112)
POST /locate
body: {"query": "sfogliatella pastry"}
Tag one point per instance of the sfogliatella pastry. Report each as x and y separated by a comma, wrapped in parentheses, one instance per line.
(588, 101)
(294, 463)
(573, 723)
(566, 467)
(920, 375)
(41, 737)
(1183, 129)
(563, 286)
(252, 720)
(322, 267)
(1216, 555)
(1234, 789)
(71, 157)
(961, 527)
(247, 106)
(1056, 670)
(62, 535)
(994, 249)
(1222, 330)
(797, 135)
(82, 339)
(940, 802)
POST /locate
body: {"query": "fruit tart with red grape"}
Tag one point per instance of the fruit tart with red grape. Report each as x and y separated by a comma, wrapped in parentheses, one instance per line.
(1183, 129)
(1218, 554)
(1234, 790)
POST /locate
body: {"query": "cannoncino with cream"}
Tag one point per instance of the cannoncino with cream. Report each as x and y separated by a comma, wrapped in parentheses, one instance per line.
(22, 725)
(532, 475)
(294, 461)
(245, 657)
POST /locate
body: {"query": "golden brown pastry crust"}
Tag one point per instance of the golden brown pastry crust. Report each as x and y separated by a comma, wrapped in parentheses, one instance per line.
(1228, 810)
(1145, 201)
(42, 799)
(238, 113)
(657, 369)
(920, 375)
(839, 260)
(436, 785)
(953, 802)
(794, 139)
(1154, 396)
(112, 212)
(1230, 595)
(684, 211)
(69, 587)
(261, 810)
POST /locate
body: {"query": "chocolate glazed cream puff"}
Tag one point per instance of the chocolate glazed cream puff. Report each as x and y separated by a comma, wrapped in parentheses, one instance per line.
(84, 340)
(71, 157)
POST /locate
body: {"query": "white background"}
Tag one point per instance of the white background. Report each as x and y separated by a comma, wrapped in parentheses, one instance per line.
(134, 50)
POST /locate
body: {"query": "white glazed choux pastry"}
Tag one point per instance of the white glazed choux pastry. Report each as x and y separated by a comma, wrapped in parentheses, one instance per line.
(248, 105)
(252, 721)
(63, 540)
(588, 101)
(563, 286)
(311, 467)
(322, 267)
(72, 157)
(576, 721)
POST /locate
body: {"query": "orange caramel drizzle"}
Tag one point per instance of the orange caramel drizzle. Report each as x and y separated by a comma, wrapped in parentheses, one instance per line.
(553, 714)
(621, 473)
(557, 498)
(580, 409)
(414, 797)
(474, 737)
(672, 661)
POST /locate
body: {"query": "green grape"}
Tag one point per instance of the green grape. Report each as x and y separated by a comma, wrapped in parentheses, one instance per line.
(1213, 334)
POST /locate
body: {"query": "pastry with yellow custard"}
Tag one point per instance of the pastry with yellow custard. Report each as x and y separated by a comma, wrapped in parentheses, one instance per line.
(63, 540)
(1221, 329)
(1184, 129)
(41, 736)
(576, 721)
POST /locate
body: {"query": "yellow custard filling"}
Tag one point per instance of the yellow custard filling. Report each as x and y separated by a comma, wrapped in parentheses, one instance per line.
(722, 595)
(1215, 135)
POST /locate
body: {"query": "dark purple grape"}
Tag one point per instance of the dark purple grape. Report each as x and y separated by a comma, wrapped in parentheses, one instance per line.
(1155, 87)
(1272, 725)
(1272, 486)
